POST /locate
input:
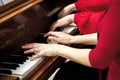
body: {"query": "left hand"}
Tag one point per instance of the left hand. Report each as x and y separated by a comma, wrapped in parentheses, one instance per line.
(67, 10)
(62, 22)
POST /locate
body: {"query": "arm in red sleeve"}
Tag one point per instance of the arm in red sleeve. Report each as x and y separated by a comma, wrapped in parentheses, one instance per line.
(91, 5)
(108, 46)
(87, 21)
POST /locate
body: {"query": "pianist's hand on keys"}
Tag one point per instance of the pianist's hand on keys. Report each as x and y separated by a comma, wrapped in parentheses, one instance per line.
(48, 49)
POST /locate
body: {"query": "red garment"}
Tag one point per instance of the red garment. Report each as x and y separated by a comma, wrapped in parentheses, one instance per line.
(87, 21)
(89, 14)
(91, 5)
(107, 50)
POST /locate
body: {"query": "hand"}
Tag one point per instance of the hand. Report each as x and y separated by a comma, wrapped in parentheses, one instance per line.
(67, 10)
(62, 22)
(59, 37)
(41, 49)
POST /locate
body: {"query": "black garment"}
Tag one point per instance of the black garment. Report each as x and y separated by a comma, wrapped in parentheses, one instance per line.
(74, 71)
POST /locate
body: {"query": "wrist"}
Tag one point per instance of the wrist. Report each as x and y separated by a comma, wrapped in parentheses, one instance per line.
(74, 39)
(71, 40)
(71, 18)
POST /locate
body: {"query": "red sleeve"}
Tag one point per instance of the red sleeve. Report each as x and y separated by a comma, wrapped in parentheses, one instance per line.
(87, 21)
(91, 5)
(108, 46)
(81, 20)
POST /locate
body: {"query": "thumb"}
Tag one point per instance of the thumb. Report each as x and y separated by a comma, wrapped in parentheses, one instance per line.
(51, 38)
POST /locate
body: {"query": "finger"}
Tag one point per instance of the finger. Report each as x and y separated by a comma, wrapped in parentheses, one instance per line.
(55, 34)
(32, 50)
(53, 27)
(51, 38)
(31, 45)
(47, 34)
(61, 14)
(48, 40)
(35, 57)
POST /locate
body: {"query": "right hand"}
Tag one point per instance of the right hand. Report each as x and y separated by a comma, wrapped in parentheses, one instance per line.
(59, 37)
(62, 22)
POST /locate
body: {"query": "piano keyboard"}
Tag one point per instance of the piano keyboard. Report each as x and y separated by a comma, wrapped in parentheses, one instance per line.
(20, 63)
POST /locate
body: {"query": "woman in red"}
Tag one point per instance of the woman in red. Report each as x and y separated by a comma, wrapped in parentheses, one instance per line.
(105, 54)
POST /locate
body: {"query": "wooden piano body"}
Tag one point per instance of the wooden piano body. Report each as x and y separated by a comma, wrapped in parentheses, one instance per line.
(22, 24)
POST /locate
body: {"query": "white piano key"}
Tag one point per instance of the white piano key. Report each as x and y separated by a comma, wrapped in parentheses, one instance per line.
(27, 66)
(6, 1)
(69, 29)
(73, 24)
(1, 3)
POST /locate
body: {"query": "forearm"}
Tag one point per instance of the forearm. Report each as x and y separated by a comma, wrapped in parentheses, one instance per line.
(90, 39)
(80, 56)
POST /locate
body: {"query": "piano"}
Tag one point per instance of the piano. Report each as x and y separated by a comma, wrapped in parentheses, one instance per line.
(24, 21)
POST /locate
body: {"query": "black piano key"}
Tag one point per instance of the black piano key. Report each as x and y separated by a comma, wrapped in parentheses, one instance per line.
(58, 29)
(5, 71)
(16, 59)
(21, 52)
(40, 39)
(23, 57)
(8, 66)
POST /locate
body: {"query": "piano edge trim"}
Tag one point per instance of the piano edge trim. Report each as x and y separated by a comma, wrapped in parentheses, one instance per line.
(18, 9)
